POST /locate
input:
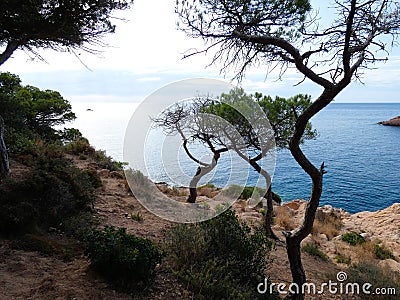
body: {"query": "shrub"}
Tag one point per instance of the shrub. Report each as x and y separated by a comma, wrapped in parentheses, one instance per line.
(52, 192)
(106, 162)
(342, 259)
(314, 251)
(79, 146)
(382, 253)
(353, 238)
(284, 218)
(328, 224)
(124, 259)
(366, 272)
(220, 258)
(276, 198)
(137, 217)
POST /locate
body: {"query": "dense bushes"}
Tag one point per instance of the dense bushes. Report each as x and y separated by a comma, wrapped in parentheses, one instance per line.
(220, 258)
(353, 238)
(82, 147)
(53, 191)
(30, 113)
(122, 258)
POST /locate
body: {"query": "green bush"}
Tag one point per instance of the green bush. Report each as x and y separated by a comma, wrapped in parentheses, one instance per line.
(276, 198)
(342, 259)
(314, 251)
(53, 191)
(353, 238)
(124, 259)
(382, 253)
(366, 272)
(79, 146)
(220, 258)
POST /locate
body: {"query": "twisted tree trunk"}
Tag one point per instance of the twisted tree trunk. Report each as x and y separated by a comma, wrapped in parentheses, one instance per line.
(201, 171)
(4, 163)
(294, 238)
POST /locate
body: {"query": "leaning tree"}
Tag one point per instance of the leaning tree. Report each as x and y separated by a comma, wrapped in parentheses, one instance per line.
(186, 120)
(53, 24)
(283, 34)
(281, 112)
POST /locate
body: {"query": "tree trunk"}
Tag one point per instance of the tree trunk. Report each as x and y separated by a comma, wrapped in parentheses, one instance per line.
(268, 214)
(294, 238)
(201, 171)
(4, 163)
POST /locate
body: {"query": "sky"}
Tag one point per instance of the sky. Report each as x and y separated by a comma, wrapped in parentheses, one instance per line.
(146, 53)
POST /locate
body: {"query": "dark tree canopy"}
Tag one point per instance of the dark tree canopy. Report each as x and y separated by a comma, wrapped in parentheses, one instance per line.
(29, 111)
(55, 24)
(287, 33)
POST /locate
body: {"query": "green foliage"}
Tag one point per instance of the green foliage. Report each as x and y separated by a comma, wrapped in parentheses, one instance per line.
(281, 112)
(106, 162)
(367, 272)
(82, 148)
(249, 190)
(382, 253)
(314, 251)
(276, 197)
(30, 113)
(122, 258)
(79, 146)
(70, 134)
(52, 192)
(58, 25)
(278, 19)
(220, 258)
(79, 225)
(353, 238)
(342, 259)
(137, 217)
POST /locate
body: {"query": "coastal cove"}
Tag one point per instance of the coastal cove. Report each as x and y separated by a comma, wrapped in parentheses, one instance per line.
(360, 156)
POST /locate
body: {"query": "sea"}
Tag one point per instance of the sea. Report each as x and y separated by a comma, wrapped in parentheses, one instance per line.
(362, 158)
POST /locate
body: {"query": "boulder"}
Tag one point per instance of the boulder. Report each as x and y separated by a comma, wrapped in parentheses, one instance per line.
(392, 122)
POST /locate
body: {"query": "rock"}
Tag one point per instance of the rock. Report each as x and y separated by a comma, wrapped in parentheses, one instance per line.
(308, 240)
(390, 264)
(116, 174)
(392, 122)
(365, 235)
(295, 204)
(103, 173)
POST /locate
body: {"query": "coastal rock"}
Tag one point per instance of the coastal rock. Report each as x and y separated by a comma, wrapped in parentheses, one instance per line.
(392, 122)
(104, 173)
(390, 264)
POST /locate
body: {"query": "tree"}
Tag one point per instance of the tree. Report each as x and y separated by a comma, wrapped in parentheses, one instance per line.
(282, 113)
(30, 112)
(237, 128)
(186, 119)
(286, 34)
(60, 25)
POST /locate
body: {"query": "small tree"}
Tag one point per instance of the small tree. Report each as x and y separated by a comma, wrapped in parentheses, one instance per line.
(53, 24)
(282, 113)
(31, 112)
(186, 120)
(285, 34)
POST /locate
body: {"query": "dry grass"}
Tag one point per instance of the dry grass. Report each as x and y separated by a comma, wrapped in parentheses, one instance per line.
(284, 218)
(328, 224)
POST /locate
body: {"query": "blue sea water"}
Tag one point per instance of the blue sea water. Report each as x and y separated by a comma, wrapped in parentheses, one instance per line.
(362, 158)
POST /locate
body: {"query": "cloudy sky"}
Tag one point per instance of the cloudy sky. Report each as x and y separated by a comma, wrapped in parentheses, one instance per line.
(146, 53)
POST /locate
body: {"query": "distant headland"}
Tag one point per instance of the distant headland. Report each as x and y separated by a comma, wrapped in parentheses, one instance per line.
(392, 122)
